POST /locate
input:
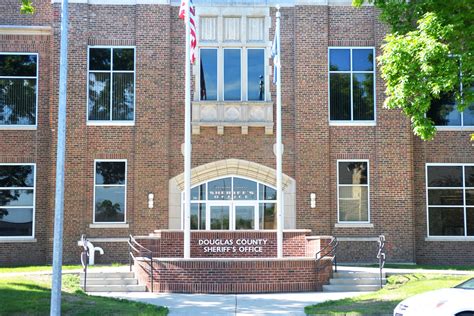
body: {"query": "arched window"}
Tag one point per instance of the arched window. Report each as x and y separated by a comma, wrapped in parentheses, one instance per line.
(232, 203)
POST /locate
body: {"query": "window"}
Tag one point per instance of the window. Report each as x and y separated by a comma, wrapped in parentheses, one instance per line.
(110, 191)
(17, 200)
(351, 84)
(232, 66)
(450, 199)
(18, 89)
(444, 112)
(232, 203)
(111, 91)
(353, 191)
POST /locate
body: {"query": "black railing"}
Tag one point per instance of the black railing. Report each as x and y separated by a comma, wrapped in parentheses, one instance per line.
(381, 257)
(136, 250)
(84, 258)
(329, 251)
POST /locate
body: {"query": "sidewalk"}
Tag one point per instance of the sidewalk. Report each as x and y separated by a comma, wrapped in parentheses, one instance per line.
(392, 271)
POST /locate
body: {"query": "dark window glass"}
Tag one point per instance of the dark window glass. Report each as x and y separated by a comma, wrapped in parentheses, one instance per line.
(122, 97)
(209, 74)
(220, 189)
(198, 192)
(445, 176)
(470, 221)
(352, 172)
(362, 60)
(99, 96)
(110, 204)
(468, 115)
(266, 193)
(198, 216)
(17, 101)
(18, 65)
(232, 75)
(339, 60)
(244, 189)
(363, 99)
(99, 59)
(110, 172)
(256, 74)
(446, 221)
(267, 216)
(340, 96)
(219, 217)
(470, 197)
(16, 222)
(443, 111)
(16, 176)
(124, 59)
(445, 197)
(244, 217)
(16, 198)
(469, 176)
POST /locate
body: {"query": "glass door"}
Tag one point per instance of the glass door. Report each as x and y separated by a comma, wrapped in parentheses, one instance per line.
(219, 216)
(245, 216)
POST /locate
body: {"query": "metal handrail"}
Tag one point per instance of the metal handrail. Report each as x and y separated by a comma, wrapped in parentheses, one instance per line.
(134, 246)
(329, 253)
(84, 259)
(381, 257)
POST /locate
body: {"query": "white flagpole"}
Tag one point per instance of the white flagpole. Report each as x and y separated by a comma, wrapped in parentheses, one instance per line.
(187, 142)
(280, 210)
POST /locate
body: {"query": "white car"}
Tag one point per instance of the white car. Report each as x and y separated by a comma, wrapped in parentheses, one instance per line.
(456, 301)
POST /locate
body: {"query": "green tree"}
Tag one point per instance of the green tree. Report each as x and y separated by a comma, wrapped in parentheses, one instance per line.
(428, 54)
(27, 7)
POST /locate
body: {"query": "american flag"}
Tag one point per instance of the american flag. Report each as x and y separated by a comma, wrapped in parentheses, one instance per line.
(185, 4)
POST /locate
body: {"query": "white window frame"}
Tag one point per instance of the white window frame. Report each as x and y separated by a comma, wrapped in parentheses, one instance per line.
(352, 185)
(13, 238)
(111, 72)
(244, 45)
(24, 127)
(110, 185)
(352, 122)
(464, 206)
(231, 203)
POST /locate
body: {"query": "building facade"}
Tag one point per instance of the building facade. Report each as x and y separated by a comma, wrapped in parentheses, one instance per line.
(352, 169)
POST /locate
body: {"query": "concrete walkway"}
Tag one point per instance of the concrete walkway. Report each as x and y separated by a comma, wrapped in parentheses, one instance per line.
(233, 304)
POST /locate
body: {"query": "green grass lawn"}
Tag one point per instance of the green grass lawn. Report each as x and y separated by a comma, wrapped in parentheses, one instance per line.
(48, 268)
(425, 266)
(31, 296)
(385, 300)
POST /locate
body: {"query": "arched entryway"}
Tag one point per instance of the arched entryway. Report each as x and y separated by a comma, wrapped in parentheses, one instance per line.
(232, 194)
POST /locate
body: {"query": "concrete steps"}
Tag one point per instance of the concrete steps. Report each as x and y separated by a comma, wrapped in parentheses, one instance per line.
(354, 281)
(111, 282)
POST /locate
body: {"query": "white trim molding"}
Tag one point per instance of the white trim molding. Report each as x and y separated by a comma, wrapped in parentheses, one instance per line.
(25, 30)
(10, 240)
(353, 225)
(452, 239)
(358, 238)
(112, 239)
(109, 225)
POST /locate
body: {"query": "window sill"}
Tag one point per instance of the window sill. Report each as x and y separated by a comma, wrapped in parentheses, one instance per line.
(354, 225)
(454, 128)
(17, 239)
(18, 127)
(110, 123)
(352, 123)
(447, 238)
(109, 225)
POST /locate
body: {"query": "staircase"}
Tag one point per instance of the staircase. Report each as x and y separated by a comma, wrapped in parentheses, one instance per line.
(354, 281)
(119, 281)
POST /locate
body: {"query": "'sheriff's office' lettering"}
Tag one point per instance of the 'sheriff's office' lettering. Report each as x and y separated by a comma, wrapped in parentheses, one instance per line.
(229, 245)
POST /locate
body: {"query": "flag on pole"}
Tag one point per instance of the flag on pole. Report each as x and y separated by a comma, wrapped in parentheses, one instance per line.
(188, 6)
(276, 54)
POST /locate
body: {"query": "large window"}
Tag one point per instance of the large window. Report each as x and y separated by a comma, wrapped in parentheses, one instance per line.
(353, 191)
(351, 84)
(232, 65)
(111, 93)
(110, 191)
(444, 112)
(18, 89)
(233, 203)
(17, 200)
(450, 199)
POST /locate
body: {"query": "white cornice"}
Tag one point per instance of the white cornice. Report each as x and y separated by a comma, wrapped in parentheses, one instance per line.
(256, 3)
(24, 30)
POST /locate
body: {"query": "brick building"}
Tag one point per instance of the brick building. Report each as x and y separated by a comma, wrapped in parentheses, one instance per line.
(352, 169)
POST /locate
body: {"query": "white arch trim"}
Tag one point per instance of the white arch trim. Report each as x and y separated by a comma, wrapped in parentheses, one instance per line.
(231, 167)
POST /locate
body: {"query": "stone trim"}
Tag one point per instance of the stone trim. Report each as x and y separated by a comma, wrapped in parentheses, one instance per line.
(25, 30)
